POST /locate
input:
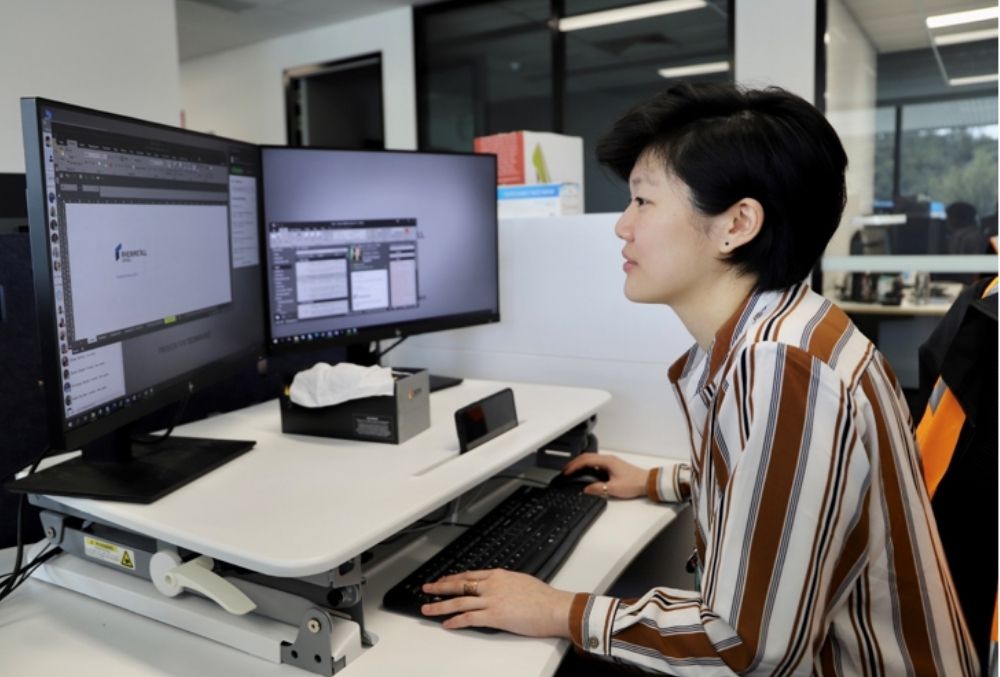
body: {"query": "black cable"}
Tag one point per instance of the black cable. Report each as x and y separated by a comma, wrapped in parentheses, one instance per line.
(9, 585)
(29, 569)
(148, 440)
(378, 357)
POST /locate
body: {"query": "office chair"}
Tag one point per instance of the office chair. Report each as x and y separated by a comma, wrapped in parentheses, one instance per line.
(965, 234)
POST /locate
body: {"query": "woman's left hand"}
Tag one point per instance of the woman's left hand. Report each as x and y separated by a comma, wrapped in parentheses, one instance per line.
(501, 599)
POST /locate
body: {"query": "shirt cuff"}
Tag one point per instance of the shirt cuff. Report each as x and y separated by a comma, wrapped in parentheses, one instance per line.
(590, 620)
(669, 484)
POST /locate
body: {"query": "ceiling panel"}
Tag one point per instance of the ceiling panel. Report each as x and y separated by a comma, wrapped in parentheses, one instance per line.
(208, 26)
(899, 25)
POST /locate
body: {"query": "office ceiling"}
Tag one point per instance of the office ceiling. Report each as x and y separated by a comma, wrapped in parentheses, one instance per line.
(898, 25)
(208, 26)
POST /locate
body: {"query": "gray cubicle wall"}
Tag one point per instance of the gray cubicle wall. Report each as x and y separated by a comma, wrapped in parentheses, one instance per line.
(564, 320)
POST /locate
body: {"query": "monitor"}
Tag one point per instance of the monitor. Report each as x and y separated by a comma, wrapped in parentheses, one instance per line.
(148, 286)
(366, 245)
(13, 206)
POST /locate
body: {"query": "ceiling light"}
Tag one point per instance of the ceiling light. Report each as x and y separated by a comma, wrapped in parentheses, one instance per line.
(973, 80)
(629, 13)
(695, 69)
(959, 18)
(966, 36)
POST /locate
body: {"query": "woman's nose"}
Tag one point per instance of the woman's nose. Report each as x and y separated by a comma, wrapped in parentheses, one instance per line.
(623, 227)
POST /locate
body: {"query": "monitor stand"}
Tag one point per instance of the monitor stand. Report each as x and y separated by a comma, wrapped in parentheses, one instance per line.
(361, 354)
(115, 468)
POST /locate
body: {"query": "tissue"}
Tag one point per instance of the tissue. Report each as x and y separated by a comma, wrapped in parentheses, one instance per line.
(324, 385)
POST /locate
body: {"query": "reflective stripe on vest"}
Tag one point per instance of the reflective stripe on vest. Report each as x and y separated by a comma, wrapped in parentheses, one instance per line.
(941, 425)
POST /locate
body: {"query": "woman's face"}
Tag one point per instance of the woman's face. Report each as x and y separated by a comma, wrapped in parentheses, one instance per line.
(668, 249)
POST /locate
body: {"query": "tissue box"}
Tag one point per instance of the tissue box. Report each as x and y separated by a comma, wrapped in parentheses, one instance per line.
(547, 199)
(391, 419)
(535, 157)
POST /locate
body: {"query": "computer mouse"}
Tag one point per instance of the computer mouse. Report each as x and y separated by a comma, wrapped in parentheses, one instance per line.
(581, 477)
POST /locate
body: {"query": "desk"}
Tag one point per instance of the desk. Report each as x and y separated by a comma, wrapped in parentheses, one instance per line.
(45, 629)
(935, 306)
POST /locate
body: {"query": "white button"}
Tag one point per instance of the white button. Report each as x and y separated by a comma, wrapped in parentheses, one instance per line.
(593, 643)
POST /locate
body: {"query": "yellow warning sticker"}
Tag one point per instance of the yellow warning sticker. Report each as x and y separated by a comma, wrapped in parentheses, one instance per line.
(109, 552)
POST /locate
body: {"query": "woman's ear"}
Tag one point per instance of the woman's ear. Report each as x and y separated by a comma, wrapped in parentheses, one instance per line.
(739, 224)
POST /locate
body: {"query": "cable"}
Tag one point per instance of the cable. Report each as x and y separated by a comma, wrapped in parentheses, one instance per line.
(378, 356)
(15, 579)
(11, 583)
(149, 440)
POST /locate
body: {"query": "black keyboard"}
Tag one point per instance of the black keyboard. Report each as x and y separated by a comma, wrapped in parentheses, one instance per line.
(532, 531)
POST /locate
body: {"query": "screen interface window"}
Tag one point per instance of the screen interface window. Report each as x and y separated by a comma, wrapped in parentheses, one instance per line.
(378, 241)
(152, 242)
(342, 267)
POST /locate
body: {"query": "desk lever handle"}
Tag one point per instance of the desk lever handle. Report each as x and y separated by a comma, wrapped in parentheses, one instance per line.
(171, 576)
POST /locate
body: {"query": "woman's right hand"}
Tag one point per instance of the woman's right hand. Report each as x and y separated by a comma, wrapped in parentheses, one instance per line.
(624, 479)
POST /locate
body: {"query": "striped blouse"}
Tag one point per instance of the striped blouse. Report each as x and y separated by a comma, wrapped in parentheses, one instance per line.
(815, 537)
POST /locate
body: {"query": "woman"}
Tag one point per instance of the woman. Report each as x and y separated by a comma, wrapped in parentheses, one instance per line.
(816, 547)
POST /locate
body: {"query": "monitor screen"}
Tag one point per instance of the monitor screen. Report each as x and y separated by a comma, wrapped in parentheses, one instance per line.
(146, 256)
(365, 245)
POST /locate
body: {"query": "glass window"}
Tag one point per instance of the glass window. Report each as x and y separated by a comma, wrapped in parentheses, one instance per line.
(489, 67)
(483, 68)
(916, 109)
(885, 155)
(609, 68)
(948, 153)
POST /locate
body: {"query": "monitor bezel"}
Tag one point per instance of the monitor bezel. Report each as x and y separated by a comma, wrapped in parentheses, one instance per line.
(170, 392)
(397, 330)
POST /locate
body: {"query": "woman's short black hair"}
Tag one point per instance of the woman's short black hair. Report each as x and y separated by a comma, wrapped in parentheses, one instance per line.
(727, 143)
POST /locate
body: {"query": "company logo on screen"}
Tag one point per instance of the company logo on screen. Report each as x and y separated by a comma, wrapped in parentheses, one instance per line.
(126, 255)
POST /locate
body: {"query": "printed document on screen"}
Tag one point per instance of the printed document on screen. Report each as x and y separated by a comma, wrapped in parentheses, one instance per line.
(132, 264)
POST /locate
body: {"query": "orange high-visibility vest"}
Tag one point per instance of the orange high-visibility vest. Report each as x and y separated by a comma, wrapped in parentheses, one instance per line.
(937, 439)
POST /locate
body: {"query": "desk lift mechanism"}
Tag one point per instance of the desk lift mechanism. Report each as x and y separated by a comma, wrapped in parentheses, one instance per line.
(315, 622)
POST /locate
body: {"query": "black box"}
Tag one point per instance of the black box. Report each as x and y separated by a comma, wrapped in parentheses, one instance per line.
(392, 419)
(569, 445)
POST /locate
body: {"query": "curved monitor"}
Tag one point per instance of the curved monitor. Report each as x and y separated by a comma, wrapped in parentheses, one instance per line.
(365, 245)
(148, 287)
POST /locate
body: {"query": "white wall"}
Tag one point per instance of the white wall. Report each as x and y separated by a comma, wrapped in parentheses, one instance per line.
(775, 45)
(850, 107)
(564, 320)
(239, 93)
(115, 55)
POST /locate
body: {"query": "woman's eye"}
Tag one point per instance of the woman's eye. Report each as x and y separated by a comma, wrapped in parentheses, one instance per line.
(640, 201)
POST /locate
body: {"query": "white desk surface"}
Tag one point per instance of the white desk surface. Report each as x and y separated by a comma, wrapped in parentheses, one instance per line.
(47, 630)
(297, 505)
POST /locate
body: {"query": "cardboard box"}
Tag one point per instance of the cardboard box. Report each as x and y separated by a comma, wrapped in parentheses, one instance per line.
(391, 419)
(546, 199)
(535, 157)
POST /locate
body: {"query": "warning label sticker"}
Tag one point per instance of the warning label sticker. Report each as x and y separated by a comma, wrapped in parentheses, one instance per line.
(109, 552)
(374, 427)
